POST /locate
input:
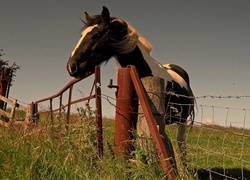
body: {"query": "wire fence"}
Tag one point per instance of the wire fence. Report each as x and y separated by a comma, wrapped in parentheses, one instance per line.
(218, 143)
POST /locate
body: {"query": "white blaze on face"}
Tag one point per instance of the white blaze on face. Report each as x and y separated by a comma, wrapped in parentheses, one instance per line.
(84, 33)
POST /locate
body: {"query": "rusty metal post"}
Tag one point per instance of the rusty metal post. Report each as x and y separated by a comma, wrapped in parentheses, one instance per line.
(60, 115)
(98, 103)
(31, 108)
(31, 112)
(36, 115)
(51, 113)
(69, 106)
(60, 105)
(155, 90)
(158, 142)
(124, 118)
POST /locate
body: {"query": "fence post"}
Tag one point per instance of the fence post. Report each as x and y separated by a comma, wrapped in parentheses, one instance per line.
(35, 113)
(32, 113)
(154, 86)
(166, 164)
(12, 113)
(69, 107)
(124, 117)
(98, 102)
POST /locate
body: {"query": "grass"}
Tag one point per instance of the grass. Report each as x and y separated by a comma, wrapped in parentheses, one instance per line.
(217, 151)
(50, 152)
(46, 152)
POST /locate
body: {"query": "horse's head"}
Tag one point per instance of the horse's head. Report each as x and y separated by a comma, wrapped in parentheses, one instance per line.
(97, 44)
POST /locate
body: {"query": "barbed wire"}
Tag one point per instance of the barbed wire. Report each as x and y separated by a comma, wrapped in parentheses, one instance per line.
(212, 127)
(19, 101)
(223, 97)
(208, 96)
(218, 128)
(109, 99)
(173, 94)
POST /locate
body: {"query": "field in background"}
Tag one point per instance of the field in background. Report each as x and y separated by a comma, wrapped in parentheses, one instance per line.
(217, 151)
(40, 153)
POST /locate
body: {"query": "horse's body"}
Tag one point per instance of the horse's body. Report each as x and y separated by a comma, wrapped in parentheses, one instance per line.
(105, 37)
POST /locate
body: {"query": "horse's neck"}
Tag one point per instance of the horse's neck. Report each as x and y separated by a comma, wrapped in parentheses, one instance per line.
(147, 66)
(136, 58)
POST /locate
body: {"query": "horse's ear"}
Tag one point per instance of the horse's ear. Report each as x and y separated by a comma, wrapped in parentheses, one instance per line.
(105, 15)
(88, 17)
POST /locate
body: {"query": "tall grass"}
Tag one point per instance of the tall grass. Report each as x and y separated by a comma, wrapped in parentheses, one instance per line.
(50, 152)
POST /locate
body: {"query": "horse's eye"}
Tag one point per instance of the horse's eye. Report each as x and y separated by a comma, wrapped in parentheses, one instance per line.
(97, 35)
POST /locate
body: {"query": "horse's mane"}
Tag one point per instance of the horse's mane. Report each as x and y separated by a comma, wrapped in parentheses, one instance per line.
(130, 40)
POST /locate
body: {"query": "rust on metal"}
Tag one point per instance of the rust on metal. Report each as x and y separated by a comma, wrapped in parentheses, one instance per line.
(72, 102)
(69, 86)
(98, 103)
(110, 85)
(124, 117)
(51, 108)
(159, 146)
(69, 107)
(65, 88)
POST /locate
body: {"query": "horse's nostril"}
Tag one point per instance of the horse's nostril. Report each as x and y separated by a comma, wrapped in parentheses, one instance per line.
(73, 68)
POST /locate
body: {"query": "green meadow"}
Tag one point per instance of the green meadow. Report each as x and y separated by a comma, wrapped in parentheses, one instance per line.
(43, 151)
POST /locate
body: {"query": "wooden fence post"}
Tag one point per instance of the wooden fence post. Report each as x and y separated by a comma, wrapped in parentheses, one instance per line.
(12, 113)
(31, 111)
(154, 86)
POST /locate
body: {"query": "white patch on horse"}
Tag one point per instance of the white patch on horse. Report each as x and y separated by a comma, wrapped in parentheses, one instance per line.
(84, 33)
(167, 66)
(128, 45)
(177, 78)
(160, 70)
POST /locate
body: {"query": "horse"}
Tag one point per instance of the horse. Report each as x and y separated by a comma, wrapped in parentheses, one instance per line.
(104, 37)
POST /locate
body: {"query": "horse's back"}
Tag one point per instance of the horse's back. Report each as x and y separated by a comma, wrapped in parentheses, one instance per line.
(179, 70)
(179, 107)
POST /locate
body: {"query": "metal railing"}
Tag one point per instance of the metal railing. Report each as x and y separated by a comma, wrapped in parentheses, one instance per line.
(94, 94)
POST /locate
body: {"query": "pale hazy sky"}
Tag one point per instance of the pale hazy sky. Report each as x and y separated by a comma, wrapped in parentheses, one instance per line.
(208, 38)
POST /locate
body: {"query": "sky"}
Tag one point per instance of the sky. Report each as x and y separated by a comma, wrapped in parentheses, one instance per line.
(209, 39)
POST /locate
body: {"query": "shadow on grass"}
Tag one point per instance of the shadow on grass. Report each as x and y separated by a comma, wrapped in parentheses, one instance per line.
(218, 173)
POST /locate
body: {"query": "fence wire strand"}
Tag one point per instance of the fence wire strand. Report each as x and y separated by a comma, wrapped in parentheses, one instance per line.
(226, 139)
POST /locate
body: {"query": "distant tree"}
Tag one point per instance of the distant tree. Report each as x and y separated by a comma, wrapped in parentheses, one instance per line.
(5, 63)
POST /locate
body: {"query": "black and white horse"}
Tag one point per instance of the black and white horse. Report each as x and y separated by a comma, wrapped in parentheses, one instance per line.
(105, 37)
